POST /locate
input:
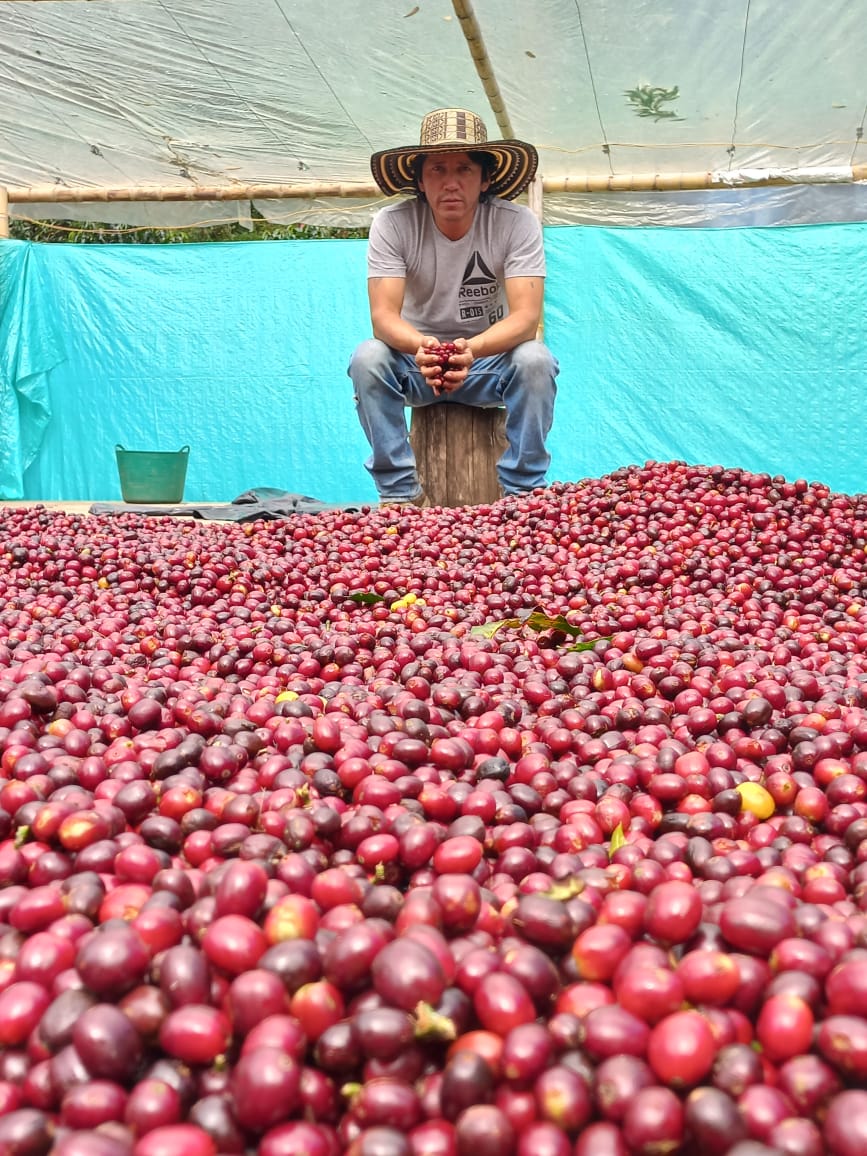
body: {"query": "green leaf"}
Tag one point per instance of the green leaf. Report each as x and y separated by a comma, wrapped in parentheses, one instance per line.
(618, 840)
(365, 598)
(433, 1025)
(539, 620)
(564, 889)
(489, 629)
(536, 619)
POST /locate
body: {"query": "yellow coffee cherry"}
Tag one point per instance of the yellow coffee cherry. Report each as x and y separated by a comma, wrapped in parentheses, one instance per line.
(756, 799)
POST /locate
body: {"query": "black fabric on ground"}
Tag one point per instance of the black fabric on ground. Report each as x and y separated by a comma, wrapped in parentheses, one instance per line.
(262, 504)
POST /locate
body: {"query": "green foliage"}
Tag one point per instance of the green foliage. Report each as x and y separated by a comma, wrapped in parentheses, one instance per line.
(556, 628)
(647, 100)
(90, 233)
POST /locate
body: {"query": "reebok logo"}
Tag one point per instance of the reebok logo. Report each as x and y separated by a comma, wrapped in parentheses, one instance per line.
(477, 272)
(480, 294)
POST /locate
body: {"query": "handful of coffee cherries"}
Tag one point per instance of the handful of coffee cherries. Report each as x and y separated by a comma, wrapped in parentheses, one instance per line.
(443, 353)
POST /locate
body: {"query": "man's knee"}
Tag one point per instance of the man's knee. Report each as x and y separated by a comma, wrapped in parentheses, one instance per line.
(534, 372)
(534, 363)
(368, 360)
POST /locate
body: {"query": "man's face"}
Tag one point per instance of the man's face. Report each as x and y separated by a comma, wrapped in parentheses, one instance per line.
(452, 184)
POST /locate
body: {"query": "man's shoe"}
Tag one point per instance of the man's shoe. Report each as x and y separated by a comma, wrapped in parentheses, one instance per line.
(421, 500)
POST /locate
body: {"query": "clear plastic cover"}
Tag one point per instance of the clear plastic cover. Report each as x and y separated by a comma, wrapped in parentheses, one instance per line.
(123, 94)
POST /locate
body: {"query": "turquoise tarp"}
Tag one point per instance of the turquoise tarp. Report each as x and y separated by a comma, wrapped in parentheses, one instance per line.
(743, 347)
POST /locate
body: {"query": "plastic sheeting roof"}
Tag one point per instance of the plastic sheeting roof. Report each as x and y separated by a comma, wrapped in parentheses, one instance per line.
(127, 93)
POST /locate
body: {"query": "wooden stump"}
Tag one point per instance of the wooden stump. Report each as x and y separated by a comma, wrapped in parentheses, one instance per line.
(456, 449)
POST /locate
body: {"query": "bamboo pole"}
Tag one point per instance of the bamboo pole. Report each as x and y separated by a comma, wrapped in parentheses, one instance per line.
(4, 212)
(627, 182)
(473, 36)
(59, 194)
(681, 182)
(534, 200)
(534, 196)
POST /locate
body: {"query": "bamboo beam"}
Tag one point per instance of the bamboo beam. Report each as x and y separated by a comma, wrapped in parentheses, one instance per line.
(677, 182)
(473, 36)
(627, 182)
(4, 212)
(59, 194)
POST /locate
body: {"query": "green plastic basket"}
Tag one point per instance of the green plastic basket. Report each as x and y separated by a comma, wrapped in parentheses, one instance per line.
(152, 477)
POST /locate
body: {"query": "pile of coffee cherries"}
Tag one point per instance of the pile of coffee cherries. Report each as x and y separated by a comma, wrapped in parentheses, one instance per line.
(536, 828)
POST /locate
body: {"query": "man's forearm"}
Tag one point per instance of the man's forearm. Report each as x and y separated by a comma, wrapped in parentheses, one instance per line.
(504, 335)
(499, 338)
(397, 333)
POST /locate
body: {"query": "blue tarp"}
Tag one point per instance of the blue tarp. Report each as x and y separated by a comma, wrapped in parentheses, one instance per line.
(742, 347)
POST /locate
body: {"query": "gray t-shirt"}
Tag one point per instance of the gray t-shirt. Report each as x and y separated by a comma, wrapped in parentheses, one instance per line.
(455, 288)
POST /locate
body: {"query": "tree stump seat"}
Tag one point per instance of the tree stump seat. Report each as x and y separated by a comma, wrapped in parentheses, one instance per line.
(457, 448)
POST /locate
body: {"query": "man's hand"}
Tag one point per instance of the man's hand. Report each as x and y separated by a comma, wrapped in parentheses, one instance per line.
(445, 364)
(428, 358)
(459, 363)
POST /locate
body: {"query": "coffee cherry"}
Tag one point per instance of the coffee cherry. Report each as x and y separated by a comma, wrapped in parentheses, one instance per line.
(443, 353)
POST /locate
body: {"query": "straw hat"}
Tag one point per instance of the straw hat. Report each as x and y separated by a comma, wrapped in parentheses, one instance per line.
(450, 130)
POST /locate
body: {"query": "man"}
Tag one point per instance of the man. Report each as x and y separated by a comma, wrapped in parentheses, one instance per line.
(457, 265)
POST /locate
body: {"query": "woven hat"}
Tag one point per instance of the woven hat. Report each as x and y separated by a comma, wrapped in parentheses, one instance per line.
(450, 130)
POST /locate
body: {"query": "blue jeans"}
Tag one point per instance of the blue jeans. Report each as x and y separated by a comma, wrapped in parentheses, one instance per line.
(522, 380)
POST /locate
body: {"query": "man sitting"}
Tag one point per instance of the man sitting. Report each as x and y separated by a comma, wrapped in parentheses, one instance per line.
(455, 282)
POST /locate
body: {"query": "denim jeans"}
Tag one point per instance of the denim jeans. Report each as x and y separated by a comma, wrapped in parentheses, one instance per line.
(522, 380)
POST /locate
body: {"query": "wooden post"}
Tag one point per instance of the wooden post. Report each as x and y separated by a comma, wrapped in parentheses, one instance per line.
(535, 197)
(456, 449)
(535, 203)
(4, 212)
